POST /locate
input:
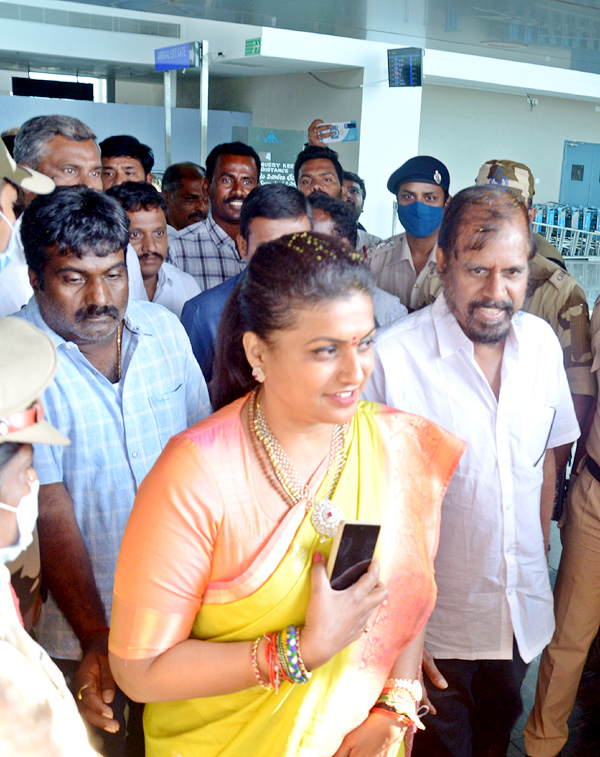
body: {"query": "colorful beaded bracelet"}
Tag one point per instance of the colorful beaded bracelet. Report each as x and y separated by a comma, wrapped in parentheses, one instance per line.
(284, 659)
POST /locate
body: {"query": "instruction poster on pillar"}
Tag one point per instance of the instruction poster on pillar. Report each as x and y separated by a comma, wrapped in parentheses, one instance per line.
(277, 149)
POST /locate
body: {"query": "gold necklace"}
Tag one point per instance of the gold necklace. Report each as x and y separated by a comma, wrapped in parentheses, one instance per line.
(119, 334)
(326, 516)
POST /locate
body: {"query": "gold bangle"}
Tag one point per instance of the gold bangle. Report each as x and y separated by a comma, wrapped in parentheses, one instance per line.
(301, 665)
(255, 668)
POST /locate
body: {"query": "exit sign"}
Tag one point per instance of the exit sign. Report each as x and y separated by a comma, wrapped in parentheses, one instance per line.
(253, 46)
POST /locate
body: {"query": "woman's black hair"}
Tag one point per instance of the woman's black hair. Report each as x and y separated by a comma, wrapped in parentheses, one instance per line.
(289, 274)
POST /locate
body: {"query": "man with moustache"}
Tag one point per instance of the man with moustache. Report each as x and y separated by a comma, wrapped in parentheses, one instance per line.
(146, 210)
(318, 169)
(494, 376)
(126, 382)
(186, 190)
(125, 158)
(207, 249)
(552, 294)
(65, 149)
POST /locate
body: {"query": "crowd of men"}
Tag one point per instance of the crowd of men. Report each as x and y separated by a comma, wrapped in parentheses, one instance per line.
(130, 282)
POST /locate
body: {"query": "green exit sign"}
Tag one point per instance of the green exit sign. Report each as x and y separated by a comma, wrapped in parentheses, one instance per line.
(253, 46)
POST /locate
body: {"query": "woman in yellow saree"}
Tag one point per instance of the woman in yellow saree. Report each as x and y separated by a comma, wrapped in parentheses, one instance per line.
(230, 531)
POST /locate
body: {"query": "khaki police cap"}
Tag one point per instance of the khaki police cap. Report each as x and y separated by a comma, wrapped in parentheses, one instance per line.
(27, 366)
(516, 177)
(26, 178)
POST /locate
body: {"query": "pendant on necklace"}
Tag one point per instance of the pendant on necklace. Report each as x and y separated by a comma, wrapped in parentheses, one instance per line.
(326, 517)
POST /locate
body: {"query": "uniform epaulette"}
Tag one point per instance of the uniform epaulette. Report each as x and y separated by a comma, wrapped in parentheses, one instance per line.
(560, 279)
(380, 246)
(389, 242)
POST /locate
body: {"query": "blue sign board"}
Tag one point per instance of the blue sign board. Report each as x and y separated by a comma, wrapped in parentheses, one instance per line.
(168, 58)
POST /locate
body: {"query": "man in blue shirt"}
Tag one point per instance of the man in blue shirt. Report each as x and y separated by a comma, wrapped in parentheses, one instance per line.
(126, 382)
(269, 212)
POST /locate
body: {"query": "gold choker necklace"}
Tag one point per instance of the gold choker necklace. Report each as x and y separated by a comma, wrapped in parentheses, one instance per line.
(326, 516)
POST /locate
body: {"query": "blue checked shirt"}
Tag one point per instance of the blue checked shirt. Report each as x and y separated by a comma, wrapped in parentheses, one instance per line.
(206, 252)
(117, 432)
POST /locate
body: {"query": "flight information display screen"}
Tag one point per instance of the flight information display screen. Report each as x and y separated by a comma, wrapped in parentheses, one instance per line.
(405, 66)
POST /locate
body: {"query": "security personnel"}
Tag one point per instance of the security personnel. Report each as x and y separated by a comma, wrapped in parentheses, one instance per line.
(518, 177)
(400, 264)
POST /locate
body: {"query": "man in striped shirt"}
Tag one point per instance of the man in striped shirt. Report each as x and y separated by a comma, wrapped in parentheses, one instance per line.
(207, 249)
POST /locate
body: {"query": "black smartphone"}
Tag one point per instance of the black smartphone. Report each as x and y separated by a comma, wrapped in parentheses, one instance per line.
(351, 553)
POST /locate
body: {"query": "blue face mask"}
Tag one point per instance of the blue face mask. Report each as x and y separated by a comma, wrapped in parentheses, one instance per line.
(420, 219)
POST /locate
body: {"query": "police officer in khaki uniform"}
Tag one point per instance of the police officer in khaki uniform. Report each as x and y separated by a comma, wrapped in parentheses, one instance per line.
(576, 597)
(552, 294)
(400, 264)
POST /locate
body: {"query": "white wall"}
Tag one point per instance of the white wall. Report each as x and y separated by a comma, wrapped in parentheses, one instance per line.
(466, 127)
(138, 93)
(292, 101)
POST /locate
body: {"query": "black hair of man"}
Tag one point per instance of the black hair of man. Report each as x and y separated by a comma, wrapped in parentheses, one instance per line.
(124, 145)
(343, 215)
(72, 221)
(273, 201)
(174, 175)
(314, 152)
(137, 195)
(349, 176)
(230, 148)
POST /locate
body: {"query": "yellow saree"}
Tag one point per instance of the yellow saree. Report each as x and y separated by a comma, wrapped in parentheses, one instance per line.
(396, 474)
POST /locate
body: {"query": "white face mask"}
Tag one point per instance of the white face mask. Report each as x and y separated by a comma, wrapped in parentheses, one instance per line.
(27, 513)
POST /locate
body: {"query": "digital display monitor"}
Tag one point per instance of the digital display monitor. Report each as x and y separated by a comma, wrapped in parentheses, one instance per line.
(405, 66)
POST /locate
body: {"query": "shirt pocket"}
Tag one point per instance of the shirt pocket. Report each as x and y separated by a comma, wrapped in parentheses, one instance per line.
(169, 411)
(536, 426)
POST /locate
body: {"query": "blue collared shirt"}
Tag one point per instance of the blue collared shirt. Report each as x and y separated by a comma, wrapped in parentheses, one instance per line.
(117, 432)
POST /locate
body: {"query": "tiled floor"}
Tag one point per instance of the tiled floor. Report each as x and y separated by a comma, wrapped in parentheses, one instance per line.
(584, 724)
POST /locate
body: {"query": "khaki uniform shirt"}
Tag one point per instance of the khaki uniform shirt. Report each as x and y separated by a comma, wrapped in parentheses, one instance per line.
(592, 444)
(392, 266)
(365, 240)
(554, 295)
(547, 250)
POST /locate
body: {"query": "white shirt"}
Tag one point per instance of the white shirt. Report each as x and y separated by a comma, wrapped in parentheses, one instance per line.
(174, 288)
(16, 291)
(393, 268)
(386, 307)
(491, 568)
